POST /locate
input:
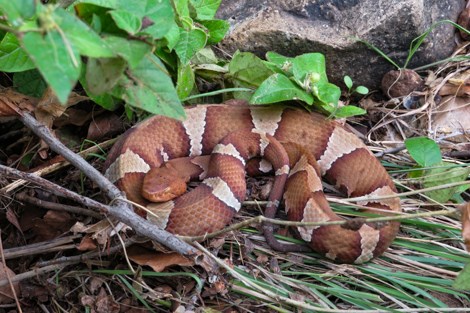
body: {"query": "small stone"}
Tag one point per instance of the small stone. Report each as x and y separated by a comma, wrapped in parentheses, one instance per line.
(401, 83)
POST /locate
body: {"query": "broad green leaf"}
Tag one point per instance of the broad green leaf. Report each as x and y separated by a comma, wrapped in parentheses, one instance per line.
(424, 151)
(348, 82)
(56, 59)
(247, 71)
(442, 175)
(362, 90)
(111, 4)
(172, 37)
(279, 88)
(18, 10)
(185, 82)
(462, 281)
(126, 21)
(189, 44)
(131, 50)
(205, 9)
(248, 68)
(217, 30)
(82, 36)
(309, 63)
(149, 87)
(182, 8)
(161, 15)
(30, 83)
(102, 74)
(327, 93)
(280, 62)
(12, 57)
(205, 56)
(158, 14)
(348, 110)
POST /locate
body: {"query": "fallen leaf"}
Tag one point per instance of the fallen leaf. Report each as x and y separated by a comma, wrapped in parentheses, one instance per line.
(452, 115)
(6, 294)
(87, 244)
(465, 208)
(12, 102)
(13, 219)
(156, 260)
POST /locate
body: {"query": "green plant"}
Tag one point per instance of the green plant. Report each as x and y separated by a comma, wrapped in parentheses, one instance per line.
(281, 78)
(433, 171)
(117, 50)
(362, 90)
(414, 46)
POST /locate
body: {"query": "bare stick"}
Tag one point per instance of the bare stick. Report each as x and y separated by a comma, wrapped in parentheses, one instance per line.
(57, 206)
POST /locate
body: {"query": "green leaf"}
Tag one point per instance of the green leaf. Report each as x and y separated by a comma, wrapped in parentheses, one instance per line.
(18, 10)
(348, 110)
(150, 88)
(130, 50)
(328, 94)
(441, 175)
(56, 59)
(82, 36)
(159, 12)
(12, 57)
(247, 71)
(424, 151)
(279, 88)
(189, 44)
(362, 90)
(217, 30)
(185, 81)
(205, 56)
(205, 9)
(30, 83)
(462, 281)
(172, 37)
(348, 82)
(182, 8)
(309, 63)
(281, 62)
(102, 74)
(126, 21)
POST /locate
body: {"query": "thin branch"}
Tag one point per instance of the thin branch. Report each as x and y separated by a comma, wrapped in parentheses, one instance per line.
(56, 206)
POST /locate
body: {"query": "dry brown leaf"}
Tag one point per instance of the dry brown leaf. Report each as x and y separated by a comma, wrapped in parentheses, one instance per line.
(12, 103)
(6, 294)
(156, 260)
(452, 115)
(87, 244)
(466, 224)
(13, 219)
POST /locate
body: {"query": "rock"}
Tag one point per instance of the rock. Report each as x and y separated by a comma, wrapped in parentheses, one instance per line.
(293, 27)
(401, 83)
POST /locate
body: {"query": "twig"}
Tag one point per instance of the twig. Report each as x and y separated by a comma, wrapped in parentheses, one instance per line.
(56, 206)
(59, 163)
(57, 264)
(9, 279)
(62, 243)
(53, 188)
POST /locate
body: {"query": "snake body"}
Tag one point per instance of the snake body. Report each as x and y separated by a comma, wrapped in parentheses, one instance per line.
(230, 135)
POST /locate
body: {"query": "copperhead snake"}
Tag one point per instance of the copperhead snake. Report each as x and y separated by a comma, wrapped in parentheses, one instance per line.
(215, 142)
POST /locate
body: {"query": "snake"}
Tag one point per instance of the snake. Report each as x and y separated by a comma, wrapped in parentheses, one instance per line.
(218, 143)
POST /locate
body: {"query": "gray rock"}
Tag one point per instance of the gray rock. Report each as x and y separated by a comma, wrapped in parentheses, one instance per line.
(293, 27)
